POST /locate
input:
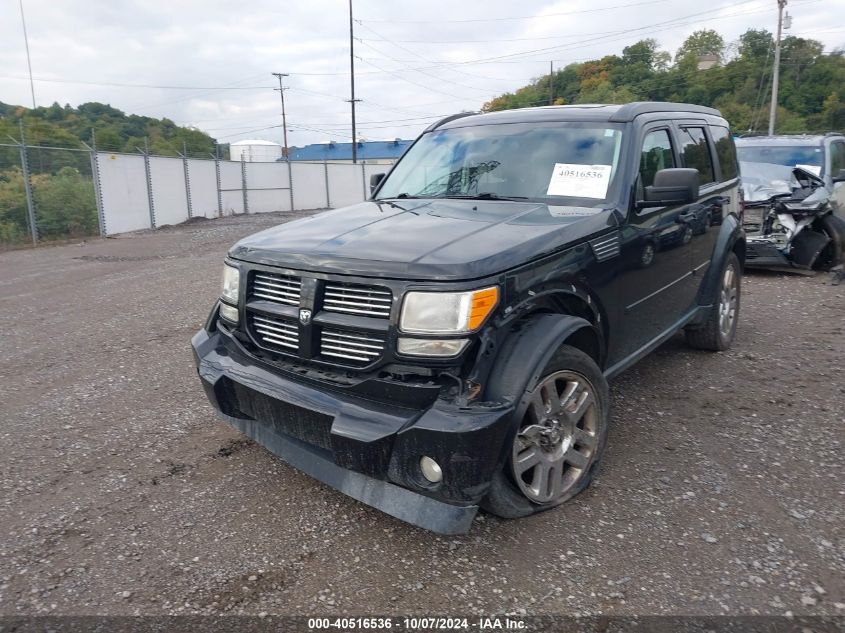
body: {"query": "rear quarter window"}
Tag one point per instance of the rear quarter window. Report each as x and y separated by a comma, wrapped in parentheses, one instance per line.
(725, 151)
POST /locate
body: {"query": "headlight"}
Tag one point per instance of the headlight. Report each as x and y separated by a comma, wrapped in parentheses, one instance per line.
(447, 312)
(231, 284)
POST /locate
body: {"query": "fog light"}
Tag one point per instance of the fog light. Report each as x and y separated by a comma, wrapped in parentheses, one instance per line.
(431, 470)
(431, 347)
(229, 313)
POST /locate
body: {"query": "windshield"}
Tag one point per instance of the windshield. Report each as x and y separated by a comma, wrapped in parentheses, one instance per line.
(558, 163)
(807, 156)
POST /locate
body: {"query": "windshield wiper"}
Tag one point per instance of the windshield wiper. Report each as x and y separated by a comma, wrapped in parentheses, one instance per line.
(486, 195)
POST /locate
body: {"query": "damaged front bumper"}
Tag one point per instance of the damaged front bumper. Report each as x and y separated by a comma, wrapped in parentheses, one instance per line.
(367, 448)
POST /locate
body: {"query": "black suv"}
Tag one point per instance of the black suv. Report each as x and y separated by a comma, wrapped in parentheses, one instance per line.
(447, 344)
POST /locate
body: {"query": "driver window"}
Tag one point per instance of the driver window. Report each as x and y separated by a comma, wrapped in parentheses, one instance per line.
(657, 154)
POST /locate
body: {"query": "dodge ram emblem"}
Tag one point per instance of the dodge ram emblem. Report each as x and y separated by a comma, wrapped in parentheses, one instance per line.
(305, 317)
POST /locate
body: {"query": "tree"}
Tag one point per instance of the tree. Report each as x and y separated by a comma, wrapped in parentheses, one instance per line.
(811, 93)
(756, 45)
(704, 42)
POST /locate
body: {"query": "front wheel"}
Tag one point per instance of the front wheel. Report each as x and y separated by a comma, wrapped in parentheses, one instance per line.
(833, 255)
(559, 440)
(719, 330)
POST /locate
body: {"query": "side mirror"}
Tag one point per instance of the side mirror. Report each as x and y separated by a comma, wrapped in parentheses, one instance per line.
(839, 176)
(671, 187)
(375, 179)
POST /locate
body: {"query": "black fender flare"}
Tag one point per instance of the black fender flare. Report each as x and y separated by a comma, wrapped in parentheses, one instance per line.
(729, 234)
(527, 351)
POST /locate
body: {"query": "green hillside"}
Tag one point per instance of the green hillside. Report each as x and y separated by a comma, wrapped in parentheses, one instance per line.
(62, 184)
(66, 126)
(812, 82)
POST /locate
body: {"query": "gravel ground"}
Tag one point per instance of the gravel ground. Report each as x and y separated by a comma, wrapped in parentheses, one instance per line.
(721, 491)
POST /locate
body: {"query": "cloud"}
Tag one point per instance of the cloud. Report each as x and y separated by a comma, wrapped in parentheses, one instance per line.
(414, 61)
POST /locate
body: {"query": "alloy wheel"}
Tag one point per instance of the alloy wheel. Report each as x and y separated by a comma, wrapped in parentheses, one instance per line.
(728, 299)
(559, 437)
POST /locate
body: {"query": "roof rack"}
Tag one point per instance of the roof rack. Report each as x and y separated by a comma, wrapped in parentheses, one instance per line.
(629, 111)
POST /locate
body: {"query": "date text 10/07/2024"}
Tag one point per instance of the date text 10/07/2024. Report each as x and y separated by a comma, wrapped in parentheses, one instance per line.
(417, 624)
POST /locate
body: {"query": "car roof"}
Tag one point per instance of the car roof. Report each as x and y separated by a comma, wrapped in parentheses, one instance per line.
(783, 139)
(612, 113)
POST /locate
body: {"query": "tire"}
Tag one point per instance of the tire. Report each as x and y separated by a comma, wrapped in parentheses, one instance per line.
(576, 436)
(718, 331)
(834, 253)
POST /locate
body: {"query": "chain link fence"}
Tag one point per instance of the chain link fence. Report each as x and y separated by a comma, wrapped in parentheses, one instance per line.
(14, 218)
(46, 194)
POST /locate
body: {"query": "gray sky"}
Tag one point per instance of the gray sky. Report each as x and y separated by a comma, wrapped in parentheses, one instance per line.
(416, 60)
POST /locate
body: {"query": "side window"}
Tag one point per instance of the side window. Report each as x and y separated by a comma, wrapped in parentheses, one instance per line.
(837, 157)
(656, 155)
(725, 151)
(695, 153)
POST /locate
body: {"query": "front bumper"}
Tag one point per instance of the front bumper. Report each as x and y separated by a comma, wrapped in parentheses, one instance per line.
(366, 448)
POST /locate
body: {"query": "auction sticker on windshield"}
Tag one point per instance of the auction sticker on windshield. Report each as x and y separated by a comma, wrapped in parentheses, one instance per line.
(579, 181)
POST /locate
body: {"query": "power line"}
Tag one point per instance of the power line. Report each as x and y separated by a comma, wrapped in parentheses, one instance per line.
(333, 124)
(423, 72)
(28, 60)
(407, 50)
(411, 81)
(524, 17)
(112, 84)
(671, 23)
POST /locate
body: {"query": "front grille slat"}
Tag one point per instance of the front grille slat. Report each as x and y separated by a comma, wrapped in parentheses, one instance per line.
(349, 356)
(354, 295)
(268, 338)
(333, 341)
(357, 299)
(276, 333)
(283, 289)
(360, 348)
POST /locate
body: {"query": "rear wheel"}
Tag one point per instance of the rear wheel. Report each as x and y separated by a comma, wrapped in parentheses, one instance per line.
(719, 330)
(559, 439)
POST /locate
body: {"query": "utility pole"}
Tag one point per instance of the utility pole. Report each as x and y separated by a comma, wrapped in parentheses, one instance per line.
(776, 70)
(551, 82)
(352, 99)
(281, 90)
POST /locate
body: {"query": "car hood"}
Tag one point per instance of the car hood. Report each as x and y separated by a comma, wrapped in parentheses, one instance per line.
(762, 181)
(443, 239)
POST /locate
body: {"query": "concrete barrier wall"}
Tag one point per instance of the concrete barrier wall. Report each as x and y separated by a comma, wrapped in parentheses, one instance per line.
(142, 192)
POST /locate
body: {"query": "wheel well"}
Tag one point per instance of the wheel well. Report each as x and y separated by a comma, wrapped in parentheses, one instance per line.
(739, 250)
(586, 339)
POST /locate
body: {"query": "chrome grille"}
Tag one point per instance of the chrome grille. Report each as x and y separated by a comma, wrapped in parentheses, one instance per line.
(282, 289)
(276, 333)
(355, 348)
(357, 299)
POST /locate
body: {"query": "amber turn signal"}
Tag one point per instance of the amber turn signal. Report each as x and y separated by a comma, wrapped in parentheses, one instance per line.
(483, 302)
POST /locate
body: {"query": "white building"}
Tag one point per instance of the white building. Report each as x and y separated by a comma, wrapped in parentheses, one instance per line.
(255, 151)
